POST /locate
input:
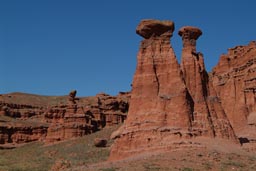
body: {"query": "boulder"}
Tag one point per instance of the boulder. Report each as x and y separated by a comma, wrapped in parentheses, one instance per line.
(100, 142)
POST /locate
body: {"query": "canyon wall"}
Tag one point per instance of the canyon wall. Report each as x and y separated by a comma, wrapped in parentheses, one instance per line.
(234, 79)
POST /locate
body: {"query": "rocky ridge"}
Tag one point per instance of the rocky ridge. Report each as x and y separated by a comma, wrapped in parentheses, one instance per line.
(52, 119)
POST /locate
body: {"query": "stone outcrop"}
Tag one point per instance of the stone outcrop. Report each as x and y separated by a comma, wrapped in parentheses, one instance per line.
(72, 121)
(169, 104)
(77, 119)
(22, 111)
(20, 123)
(42, 119)
(234, 79)
(18, 134)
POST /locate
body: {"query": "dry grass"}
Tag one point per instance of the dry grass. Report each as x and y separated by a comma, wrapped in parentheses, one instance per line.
(73, 153)
(197, 159)
(80, 154)
(16, 122)
(40, 100)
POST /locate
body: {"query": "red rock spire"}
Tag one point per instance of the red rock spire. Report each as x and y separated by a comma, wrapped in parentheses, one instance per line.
(164, 109)
(160, 102)
(192, 64)
(208, 113)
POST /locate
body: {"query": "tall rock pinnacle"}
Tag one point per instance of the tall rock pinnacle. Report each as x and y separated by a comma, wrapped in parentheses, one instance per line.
(163, 110)
(208, 115)
(160, 103)
(191, 61)
(153, 92)
(192, 66)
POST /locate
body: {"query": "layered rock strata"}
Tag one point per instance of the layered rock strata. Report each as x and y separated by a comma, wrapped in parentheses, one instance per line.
(72, 121)
(234, 79)
(25, 118)
(208, 115)
(169, 105)
(20, 123)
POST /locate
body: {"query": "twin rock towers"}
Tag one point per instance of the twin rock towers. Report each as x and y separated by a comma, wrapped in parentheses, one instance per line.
(172, 104)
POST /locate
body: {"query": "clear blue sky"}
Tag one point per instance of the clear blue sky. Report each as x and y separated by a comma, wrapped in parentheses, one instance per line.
(49, 47)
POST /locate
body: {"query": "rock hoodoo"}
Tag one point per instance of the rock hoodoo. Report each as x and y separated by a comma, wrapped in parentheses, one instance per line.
(191, 61)
(208, 115)
(169, 104)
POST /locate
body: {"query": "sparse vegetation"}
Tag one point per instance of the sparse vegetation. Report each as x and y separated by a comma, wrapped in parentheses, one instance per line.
(39, 100)
(108, 169)
(232, 164)
(37, 156)
(187, 169)
(79, 154)
(151, 167)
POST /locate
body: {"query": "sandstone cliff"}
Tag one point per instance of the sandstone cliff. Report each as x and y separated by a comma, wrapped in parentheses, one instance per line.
(234, 79)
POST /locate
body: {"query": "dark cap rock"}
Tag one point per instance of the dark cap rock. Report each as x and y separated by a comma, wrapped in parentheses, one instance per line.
(153, 28)
(190, 31)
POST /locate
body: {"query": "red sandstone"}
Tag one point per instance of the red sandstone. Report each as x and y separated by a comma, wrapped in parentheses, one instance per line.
(170, 105)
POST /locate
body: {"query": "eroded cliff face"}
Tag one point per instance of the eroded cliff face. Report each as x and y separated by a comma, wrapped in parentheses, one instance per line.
(25, 118)
(78, 119)
(234, 79)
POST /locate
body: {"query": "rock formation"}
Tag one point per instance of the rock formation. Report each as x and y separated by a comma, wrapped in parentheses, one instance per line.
(18, 134)
(25, 118)
(72, 121)
(169, 104)
(75, 120)
(208, 116)
(234, 79)
(16, 125)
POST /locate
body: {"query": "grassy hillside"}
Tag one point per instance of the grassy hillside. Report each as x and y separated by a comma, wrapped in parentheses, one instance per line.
(40, 100)
(80, 155)
(72, 153)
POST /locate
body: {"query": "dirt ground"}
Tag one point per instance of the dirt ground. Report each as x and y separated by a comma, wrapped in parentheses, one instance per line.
(216, 155)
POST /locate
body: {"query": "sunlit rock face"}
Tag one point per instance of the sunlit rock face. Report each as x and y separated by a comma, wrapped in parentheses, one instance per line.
(234, 79)
(169, 103)
(26, 117)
